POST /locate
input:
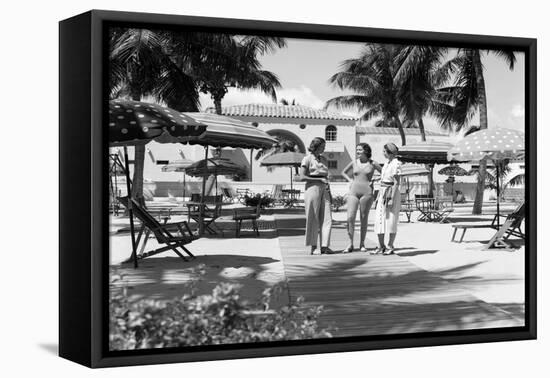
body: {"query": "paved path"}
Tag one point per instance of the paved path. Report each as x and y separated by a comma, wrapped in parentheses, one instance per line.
(368, 295)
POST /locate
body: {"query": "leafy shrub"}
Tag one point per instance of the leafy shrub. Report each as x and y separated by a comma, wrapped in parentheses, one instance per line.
(220, 318)
(265, 200)
(338, 202)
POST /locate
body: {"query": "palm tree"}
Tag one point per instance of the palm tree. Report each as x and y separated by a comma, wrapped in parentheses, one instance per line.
(372, 78)
(468, 97)
(232, 61)
(141, 65)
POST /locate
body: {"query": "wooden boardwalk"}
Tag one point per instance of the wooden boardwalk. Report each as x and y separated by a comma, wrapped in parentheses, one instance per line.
(369, 295)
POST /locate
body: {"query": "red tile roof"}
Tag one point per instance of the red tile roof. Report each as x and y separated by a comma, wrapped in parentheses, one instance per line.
(280, 111)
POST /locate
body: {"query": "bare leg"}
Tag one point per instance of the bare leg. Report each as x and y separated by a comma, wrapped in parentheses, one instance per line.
(392, 239)
(381, 241)
(352, 204)
(364, 206)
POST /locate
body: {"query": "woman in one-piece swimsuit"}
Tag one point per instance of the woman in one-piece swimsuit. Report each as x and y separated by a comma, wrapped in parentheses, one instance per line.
(360, 193)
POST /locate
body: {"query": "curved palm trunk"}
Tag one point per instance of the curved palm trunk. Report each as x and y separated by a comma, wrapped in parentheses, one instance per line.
(483, 124)
(401, 131)
(429, 167)
(218, 105)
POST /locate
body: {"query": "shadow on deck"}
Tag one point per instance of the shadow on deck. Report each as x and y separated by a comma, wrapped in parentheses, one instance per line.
(371, 295)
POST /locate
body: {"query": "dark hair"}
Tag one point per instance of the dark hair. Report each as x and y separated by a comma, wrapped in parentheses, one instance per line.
(391, 148)
(366, 149)
(315, 143)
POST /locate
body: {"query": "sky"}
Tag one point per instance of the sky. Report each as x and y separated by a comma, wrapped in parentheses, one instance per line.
(305, 66)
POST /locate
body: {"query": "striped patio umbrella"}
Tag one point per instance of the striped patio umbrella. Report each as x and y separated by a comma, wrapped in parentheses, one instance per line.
(425, 152)
(284, 159)
(178, 166)
(213, 166)
(430, 153)
(494, 144)
(224, 131)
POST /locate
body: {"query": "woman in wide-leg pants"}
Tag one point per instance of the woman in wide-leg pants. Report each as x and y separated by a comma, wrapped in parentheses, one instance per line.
(317, 198)
(318, 215)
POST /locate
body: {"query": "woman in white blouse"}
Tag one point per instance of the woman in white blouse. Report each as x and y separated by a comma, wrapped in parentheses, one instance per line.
(389, 201)
(317, 198)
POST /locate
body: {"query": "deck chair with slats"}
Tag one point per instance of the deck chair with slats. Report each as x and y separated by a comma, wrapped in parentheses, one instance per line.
(173, 236)
(510, 227)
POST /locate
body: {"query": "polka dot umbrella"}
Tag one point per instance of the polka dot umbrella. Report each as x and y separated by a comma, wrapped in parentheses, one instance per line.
(133, 123)
(494, 144)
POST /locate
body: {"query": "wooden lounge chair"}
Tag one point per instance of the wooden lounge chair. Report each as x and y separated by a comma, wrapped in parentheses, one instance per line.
(172, 235)
(510, 227)
(211, 210)
(250, 213)
(406, 207)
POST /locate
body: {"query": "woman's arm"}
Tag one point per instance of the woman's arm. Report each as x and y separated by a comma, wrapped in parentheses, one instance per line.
(377, 166)
(304, 176)
(346, 168)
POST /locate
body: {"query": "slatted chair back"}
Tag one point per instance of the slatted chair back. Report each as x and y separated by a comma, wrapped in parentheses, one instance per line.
(517, 216)
(444, 202)
(147, 219)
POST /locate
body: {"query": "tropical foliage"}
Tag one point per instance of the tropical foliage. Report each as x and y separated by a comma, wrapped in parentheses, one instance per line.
(221, 317)
(398, 85)
(173, 68)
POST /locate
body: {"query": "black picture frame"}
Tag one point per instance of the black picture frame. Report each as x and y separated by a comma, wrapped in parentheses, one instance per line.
(83, 315)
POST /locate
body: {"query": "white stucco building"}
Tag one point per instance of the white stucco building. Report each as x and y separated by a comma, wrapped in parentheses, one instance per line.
(298, 124)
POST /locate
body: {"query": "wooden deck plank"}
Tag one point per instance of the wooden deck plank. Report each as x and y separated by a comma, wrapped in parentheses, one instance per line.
(369, 295)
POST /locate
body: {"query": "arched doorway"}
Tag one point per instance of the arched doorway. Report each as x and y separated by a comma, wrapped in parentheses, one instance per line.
(288, 137)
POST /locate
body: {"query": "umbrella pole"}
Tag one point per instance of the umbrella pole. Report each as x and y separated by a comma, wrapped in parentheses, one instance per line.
(201, 206)
(183, 199)
(452, 189)
(130, 211)
(498, 197)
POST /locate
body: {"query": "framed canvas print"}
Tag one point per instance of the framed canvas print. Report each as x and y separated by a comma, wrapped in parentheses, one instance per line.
(234, 188)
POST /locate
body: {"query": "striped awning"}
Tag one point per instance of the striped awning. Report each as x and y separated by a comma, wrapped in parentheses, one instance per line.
(425, 152)
(224, 131)
(494, 144)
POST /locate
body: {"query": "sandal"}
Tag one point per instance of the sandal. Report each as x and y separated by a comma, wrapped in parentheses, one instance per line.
(348, 249)
(327, 251)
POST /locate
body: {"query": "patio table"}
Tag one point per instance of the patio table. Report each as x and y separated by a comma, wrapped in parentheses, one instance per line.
(205, 212)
